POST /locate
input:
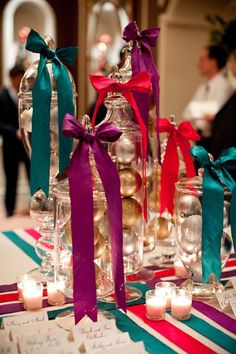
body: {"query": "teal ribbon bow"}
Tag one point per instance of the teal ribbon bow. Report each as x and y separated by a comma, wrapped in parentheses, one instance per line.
(40, 157)
(215, 178)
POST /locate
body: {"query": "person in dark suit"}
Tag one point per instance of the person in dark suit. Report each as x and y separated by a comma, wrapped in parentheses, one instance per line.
(12, 147)
(224, 124)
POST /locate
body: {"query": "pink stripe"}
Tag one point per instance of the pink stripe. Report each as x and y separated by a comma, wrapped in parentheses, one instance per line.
(32, 232)
(172, 333)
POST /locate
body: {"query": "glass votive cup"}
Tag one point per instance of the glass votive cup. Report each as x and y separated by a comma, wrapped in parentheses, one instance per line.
(32, 292)
(56, 291)
(181, 304)
(166, 287)
(21, 278)
(155, 305)
(180, 270)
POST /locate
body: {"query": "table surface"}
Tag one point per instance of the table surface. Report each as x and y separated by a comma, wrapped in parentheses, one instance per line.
(209, 330)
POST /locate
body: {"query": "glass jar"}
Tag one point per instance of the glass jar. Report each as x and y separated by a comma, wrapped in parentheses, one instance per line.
(126, 153)
(188, 221)
(102, 257)
(41, 207)
(124, 74)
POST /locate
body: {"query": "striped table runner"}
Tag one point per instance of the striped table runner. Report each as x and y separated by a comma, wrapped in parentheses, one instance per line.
(209, 330)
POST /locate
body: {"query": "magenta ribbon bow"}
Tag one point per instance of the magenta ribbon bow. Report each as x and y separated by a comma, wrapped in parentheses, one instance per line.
(81, 194)
(142, 59)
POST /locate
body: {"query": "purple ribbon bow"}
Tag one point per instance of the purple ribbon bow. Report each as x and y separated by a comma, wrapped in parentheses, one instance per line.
(142, 59)
(81, 194)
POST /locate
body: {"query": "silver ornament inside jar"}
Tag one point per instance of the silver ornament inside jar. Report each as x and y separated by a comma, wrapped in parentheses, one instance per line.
(188, 222)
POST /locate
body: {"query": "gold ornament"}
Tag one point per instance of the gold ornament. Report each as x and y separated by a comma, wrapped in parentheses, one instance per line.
(161, 226)
(131, 212)
(153, 201)
(68, 233)
(98, 275)
(156, 174)
(99, 245)
(149, 236)
(98, 209)
(130, 182)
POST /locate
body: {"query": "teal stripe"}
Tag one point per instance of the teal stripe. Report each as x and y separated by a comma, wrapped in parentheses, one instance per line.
(152, 344)
(212, 333)
(125, 324)
(24, 246)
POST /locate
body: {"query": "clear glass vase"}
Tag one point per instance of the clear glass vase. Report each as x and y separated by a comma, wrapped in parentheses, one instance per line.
(188, 221)
(42, 207)
(63, 258)
(126, 153)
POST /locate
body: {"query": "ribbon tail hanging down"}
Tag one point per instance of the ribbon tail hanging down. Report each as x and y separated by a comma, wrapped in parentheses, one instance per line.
(114, 208)
(40, 159)
(65, 105)
(169, 173)
(212, 226)
(185, 146)
(142, 99)
(84, 287)
(131, 100)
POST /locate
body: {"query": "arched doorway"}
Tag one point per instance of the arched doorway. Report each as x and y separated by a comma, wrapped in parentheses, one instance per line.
(17, 14)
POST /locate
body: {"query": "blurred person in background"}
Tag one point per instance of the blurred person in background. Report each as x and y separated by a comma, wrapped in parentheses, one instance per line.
(211, 95)
(12, 148)
(224, 125)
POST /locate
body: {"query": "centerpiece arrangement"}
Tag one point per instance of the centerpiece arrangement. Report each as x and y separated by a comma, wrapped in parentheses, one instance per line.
(104, 194)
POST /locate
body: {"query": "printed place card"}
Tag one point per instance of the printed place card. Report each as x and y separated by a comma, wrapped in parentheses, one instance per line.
(100, 345)
(21, 320)
(8, 348)
(36, 329)
(233, 305)
(94, 330)
(225, 296)
(4, 336)
(69, 348)
(132, 348)
(44, 343)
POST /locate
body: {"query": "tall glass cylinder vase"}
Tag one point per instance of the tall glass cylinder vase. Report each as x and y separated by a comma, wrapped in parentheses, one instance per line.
(149, 236)
(126, 153)
(188, 221)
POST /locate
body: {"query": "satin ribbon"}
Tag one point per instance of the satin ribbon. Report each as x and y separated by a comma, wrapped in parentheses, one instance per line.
(139, 83)
(178, 136)
(40, 159)
(81, 194)
(142, 59)
(215, 178)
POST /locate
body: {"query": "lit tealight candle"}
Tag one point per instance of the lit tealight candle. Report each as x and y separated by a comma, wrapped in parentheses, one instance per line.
(181, 304)
(56, 291)
(180, 270)
(155, 305)
(20, 280)
(32, 293)
(166, 287)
